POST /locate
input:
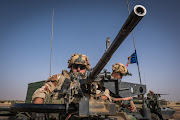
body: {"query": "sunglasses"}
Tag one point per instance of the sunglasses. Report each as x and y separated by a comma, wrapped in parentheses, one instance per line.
(76, 66)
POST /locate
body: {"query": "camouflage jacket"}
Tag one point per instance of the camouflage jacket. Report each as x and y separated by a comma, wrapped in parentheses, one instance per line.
(58, 87)
(52, 83)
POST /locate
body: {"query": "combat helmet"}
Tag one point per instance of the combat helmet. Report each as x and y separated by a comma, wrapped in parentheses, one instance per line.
(79, 59)
(121, 68)
(150, 91)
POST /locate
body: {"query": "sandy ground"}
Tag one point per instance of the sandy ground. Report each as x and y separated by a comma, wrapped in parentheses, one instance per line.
(2, 117)
(177, 108)
(2, 104)
(172, 105)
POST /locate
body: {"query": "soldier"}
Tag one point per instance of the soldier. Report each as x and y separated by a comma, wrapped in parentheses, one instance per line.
(151, 95)
(57, 85)
(118, 71)
(153, 103)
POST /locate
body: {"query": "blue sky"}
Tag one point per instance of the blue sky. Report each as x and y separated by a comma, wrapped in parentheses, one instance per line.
(82, 26)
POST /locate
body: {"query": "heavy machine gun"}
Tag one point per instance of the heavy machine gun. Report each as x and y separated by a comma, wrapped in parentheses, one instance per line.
(90, 107)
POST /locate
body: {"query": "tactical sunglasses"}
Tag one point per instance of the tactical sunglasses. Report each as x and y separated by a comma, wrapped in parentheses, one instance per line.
(76, 66)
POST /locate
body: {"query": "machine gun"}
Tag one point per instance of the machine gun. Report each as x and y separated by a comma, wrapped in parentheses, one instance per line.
(88, 107)
(159, 95)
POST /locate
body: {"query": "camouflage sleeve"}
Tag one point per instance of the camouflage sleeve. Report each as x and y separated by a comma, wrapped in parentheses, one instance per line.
(48, 87)
(107, 94)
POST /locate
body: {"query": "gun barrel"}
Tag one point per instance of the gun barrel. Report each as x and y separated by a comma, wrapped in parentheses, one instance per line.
(162, 94)
(136, 15)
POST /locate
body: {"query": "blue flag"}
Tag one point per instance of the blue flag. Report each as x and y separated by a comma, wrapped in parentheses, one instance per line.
(132, 59)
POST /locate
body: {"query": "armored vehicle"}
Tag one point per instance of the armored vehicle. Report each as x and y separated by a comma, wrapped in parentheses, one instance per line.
(158, 109)
(90, 106)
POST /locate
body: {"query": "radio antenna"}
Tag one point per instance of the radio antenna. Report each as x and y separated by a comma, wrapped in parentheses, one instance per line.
(51, 42)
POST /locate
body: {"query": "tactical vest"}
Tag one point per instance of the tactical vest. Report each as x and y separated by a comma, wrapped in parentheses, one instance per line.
(61, 87)
(62, 94)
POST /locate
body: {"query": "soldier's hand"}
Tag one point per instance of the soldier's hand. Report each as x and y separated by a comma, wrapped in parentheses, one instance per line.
(133, 107)
(127, 98)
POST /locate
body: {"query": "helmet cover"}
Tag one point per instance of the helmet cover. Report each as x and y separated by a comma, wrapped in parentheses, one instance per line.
(79, 59)
(121, 68)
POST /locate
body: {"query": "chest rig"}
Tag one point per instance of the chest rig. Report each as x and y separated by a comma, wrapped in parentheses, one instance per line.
(67, 89)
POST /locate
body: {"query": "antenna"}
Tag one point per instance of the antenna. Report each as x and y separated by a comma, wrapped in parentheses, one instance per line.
(51, 42)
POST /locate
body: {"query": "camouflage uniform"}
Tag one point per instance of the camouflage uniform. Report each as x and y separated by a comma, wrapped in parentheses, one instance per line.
(119, 68)
(55, 88)
(153, 100)
(122, 69)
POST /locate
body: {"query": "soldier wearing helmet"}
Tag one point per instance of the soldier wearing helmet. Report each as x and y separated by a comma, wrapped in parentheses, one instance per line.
(151, 95)
(79, 63)
(48, 93)
(119, 70)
